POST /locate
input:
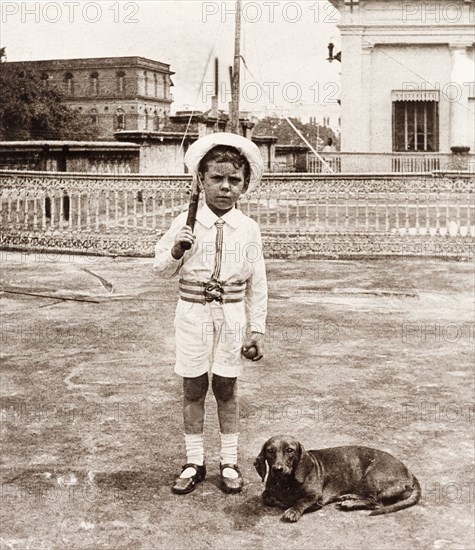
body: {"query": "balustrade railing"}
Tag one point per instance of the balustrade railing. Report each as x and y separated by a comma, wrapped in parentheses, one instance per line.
(299, 215)
(355, 163)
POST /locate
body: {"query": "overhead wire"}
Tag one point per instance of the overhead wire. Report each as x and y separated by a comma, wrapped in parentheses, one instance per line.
(326, 166)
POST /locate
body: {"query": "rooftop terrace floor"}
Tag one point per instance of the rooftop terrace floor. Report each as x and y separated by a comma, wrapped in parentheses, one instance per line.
(372, 353)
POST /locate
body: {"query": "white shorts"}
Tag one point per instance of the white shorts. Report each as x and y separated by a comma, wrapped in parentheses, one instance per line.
(209, 336)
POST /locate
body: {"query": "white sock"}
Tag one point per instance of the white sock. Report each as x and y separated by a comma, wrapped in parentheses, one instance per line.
(229, 445)
(194, 453)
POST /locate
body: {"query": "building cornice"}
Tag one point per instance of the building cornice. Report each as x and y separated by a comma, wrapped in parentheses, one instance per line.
(161, 136)
(408, 29)
(122, 99)
(439, 14)
(340, 5)
(98, 62)
(265, 139)
(387, 34)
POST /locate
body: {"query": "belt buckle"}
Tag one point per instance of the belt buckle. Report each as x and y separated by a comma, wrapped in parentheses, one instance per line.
(214, 291)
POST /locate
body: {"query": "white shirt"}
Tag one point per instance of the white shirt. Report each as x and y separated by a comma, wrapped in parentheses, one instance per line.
(242, 257)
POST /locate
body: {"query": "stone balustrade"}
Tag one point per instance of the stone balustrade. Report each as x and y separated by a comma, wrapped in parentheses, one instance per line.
(405, 163)
(317, 215)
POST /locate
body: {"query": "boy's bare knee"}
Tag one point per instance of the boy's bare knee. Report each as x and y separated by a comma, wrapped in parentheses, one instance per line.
(224, 389)
(195, 389)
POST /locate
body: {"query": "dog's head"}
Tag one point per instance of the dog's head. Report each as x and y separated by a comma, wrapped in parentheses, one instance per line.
(285, 456)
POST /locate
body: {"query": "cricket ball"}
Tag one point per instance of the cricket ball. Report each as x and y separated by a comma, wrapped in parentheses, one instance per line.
(250, 353)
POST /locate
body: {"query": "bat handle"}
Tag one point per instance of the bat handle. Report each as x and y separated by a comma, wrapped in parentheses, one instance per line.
(191, 218)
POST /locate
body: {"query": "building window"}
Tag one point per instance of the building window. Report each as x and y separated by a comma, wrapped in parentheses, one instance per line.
(164, 78)
(147, 118)
(119, 119)
(156, 121)
(121, 82)
(145, 82)
(94, 81)
(155, 85)
(94, 116)
(45, 80)
(69, 82)
(415, 126)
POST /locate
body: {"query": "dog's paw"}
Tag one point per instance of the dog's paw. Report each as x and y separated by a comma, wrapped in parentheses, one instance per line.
(291, 515)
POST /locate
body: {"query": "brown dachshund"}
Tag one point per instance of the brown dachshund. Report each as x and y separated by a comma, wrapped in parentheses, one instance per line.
(355, 477)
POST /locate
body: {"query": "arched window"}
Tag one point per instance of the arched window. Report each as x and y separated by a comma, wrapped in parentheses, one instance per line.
(156, 121)
(94, 81)
(69, 83)
(164, 77)
(121, 82)
(94, 116)
(119, 119)
(45, 80)
(155, 84)
(147, 118)
(145, 82)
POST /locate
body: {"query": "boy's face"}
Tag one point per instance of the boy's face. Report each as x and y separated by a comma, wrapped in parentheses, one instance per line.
(223, 184)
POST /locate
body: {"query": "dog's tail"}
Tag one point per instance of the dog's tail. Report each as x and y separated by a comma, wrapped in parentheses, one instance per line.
(410, 501)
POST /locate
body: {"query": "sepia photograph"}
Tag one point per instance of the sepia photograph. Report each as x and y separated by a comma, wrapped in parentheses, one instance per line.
(237, 275)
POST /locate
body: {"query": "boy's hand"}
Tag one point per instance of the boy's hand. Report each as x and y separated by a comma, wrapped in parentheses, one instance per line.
(253, 347)
(184, 235)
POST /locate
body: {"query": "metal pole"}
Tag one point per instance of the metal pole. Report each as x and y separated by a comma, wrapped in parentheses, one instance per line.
(234, 115)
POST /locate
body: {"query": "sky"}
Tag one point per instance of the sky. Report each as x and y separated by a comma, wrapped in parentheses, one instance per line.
(284, 45)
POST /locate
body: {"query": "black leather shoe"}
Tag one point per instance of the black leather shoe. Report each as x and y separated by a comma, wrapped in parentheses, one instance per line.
(185, 485)
(229, 485)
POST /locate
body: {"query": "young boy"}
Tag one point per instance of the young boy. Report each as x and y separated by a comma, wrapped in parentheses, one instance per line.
(223, 297)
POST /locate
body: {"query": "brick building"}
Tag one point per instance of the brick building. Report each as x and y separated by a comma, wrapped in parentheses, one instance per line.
(118, 93)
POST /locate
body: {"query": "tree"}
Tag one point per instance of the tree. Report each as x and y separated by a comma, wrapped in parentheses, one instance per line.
(29, 109)
(280, 128)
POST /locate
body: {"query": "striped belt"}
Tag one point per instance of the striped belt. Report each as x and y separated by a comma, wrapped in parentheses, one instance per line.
(200, 293)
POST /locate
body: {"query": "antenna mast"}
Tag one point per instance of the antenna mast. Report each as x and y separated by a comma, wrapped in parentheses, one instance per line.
(235, 81)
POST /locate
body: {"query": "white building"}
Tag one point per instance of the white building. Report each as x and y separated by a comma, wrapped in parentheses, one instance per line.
(408, 75)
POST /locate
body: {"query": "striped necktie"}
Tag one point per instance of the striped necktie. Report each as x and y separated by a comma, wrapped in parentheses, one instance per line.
(219, 223)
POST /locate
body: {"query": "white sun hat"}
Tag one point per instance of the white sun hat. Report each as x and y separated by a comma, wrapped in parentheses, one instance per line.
(246, 147)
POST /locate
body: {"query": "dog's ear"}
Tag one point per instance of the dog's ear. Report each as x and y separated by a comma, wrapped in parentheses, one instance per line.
(260, 463)
(304, 465)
